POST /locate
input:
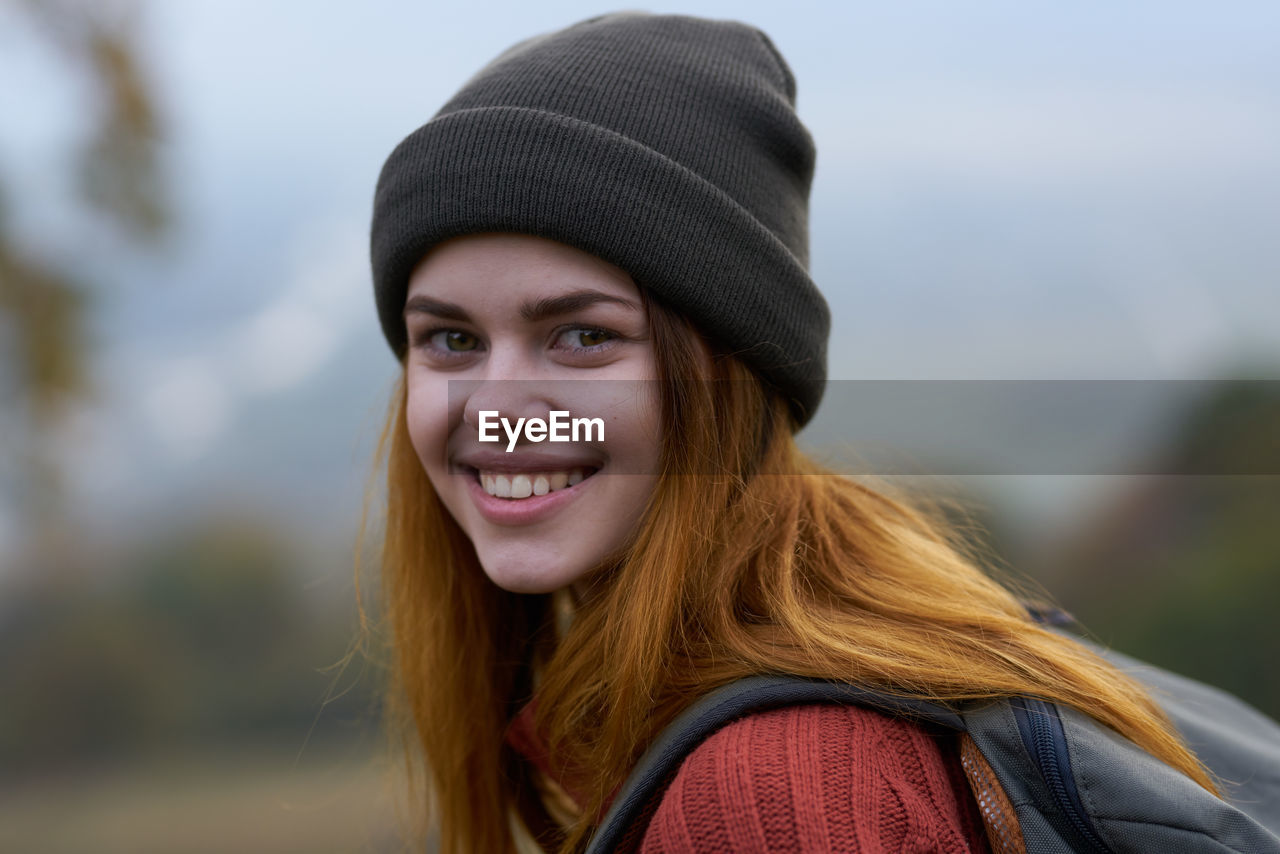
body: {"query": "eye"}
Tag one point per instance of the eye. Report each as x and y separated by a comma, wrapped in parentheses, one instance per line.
(445, 346)
(584, 338)
(454, 341)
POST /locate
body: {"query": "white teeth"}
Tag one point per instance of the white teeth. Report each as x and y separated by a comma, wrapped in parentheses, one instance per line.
(521, 486)
(517, 486)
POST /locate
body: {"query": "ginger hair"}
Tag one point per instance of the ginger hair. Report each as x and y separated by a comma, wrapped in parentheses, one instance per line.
(750, 558)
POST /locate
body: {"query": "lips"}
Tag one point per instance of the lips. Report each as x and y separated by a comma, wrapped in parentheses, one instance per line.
(518, 512)
(522, 488)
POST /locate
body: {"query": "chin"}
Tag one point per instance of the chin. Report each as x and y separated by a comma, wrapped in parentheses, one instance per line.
(526, 585)
(520, 577)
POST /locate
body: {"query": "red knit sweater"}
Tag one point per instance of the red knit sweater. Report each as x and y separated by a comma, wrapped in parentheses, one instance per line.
(817, 778)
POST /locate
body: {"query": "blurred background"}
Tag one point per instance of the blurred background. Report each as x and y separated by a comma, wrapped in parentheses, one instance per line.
(192, 377)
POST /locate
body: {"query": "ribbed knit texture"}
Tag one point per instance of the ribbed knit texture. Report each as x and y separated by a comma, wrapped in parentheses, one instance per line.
(666, 145)
(812, 779)
(818, 779)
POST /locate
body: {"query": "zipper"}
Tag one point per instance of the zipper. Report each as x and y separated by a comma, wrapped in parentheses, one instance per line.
(1046, 740)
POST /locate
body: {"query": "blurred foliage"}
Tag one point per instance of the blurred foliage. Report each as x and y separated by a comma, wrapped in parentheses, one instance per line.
(44, 300)
(1185, 571)
(206, 637)
(1235, 431)
(119, 164)
(47, 309)
(198, 637)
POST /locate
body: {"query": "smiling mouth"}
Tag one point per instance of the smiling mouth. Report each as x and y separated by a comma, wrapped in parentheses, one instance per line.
(520, 485)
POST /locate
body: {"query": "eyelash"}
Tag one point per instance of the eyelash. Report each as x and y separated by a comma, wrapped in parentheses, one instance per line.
(610, 341)
(424, 340)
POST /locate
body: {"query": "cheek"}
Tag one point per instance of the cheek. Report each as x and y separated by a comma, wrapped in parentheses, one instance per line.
(633, 424)
(644, 433)
(428, 425)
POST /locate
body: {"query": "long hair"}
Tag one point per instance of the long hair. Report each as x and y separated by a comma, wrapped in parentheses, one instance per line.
(750, 558)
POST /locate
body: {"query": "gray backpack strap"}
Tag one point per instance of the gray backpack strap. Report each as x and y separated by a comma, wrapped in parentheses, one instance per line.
(663, 758)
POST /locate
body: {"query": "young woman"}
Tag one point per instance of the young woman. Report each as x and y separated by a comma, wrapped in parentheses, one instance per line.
(625, 202)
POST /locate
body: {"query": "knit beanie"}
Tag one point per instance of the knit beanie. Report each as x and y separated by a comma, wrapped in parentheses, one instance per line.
(666, 145)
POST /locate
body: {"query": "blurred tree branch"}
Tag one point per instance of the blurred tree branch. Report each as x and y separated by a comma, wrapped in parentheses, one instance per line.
(119, 167)
(43, 304)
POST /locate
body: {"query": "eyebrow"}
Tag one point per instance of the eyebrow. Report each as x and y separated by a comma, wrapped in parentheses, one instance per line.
(444, 310)
(530, 312)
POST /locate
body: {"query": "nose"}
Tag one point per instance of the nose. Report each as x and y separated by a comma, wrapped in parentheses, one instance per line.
(513, 385)
(509, 398)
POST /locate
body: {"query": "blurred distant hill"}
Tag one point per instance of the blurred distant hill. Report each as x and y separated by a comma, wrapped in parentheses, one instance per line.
(208, 635)
(1184, 571)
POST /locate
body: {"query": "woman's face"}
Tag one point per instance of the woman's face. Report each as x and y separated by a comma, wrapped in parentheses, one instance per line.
(513, 324)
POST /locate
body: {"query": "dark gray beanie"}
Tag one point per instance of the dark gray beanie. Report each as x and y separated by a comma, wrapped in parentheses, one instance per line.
(666, 145)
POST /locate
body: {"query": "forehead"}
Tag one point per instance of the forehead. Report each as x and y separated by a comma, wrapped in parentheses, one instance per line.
(514, 264)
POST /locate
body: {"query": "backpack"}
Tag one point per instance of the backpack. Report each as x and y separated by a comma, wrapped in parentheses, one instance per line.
(1047, 778)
